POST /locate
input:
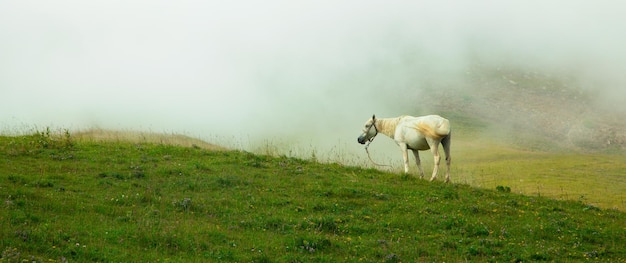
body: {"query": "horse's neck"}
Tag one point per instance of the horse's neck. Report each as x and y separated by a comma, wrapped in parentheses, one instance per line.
(387, 126)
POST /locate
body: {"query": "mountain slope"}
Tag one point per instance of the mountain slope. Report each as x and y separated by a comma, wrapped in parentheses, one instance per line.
(66, 200)
(532, 109)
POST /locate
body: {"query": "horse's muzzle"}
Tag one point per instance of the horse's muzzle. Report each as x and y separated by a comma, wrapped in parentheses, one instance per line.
(361, 139)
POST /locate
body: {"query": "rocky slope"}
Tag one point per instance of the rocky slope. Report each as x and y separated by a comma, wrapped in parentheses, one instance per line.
(534, 108)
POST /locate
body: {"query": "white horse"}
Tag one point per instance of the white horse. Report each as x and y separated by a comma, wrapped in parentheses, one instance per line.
(415, 134)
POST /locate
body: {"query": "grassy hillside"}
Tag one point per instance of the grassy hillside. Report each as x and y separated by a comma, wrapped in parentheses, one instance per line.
(539, 134)
(71, 200)
(597, 179)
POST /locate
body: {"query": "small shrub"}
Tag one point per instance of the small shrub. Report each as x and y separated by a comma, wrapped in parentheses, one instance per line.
(450, 194)
(275, 224)
(44, 183)
(381, 196)
(453, 222)
(591, 208)
(221, 255)
(474, 251)
(16, 179)
(327, 224)
(227, 181)
(312, 245)
(183, 205)
(262, 259)
(449, 244)
(476, 231)
(138, 172)
(45, 139)
(11, 254)
(503, 189)
(119, 176)
(539, 257)
(392, 258)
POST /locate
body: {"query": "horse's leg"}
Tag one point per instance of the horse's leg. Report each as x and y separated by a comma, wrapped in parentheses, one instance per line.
(446, 148)
(416, 153)
(405, 156)
(434, 148)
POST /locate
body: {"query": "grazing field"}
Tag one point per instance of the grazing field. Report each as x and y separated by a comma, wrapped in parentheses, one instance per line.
(594, 178)
(118, 201)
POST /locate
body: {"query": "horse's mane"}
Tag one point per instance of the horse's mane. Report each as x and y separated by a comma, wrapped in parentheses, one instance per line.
(387, 126)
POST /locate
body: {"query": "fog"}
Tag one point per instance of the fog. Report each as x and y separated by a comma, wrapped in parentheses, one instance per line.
(298, 74)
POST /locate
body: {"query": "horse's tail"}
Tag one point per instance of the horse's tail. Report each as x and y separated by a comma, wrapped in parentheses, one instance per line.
(445, 142)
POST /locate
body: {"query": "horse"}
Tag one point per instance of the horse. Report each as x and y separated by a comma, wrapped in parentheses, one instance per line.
(415, 134)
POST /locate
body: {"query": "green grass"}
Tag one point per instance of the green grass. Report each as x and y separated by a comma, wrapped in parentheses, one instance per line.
(598, 178)
(80, 201)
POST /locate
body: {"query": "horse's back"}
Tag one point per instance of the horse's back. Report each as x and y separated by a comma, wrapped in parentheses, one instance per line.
(433, 126)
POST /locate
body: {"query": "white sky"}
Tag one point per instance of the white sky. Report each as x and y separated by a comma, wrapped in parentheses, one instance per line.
(304, 69)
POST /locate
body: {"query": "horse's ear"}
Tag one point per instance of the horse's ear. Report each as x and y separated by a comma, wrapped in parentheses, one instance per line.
(373, 116)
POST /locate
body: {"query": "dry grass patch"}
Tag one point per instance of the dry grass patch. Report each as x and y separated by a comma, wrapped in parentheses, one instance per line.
(101, 135)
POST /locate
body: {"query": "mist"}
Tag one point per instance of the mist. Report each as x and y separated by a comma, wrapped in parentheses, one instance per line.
(298, 74)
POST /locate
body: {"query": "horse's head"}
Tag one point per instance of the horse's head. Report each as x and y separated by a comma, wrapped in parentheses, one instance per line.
(369, 131)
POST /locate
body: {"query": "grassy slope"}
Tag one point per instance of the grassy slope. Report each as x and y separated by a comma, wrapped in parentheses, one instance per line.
(484, 160)
(598, 179)
(138, 202)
